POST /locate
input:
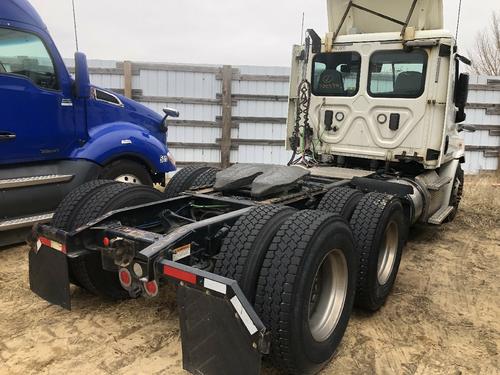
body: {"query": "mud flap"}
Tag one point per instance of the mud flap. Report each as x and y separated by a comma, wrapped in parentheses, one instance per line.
(220, 331)
(49, 276)
(213, 340)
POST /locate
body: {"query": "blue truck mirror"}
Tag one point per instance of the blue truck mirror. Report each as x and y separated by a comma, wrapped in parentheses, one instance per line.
(82, 78)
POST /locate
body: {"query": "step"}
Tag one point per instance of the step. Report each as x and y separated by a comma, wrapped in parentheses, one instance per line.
(14, 183)
(24, 222)
(438, 184)
(440, 216)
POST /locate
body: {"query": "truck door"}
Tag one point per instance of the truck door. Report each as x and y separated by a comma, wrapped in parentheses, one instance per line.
(36, 119)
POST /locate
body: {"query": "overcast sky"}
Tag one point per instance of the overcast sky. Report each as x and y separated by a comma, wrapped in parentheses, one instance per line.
(237, 32)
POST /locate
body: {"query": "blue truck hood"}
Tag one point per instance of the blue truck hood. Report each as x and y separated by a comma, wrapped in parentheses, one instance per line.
(99, 113)
(141, 110)
(20, 11)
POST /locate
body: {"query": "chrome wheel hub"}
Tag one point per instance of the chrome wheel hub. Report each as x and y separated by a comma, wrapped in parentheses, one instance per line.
(328, 295)
(387, 253)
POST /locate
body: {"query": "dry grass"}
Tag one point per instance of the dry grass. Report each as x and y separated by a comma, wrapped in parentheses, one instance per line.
(481, 202)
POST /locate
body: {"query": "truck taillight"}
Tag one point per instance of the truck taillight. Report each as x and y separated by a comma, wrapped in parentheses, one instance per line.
(151, 288)
(106, 242)
(125, 277)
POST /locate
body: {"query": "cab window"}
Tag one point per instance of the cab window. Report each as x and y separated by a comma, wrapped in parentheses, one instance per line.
(397, 74)
(336, 74)
(25, 54)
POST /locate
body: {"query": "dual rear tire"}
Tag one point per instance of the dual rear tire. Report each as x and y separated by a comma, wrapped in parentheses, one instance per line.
(299, 271)
(304, 271)
(379, 228)
(96, 198)
(86, 203)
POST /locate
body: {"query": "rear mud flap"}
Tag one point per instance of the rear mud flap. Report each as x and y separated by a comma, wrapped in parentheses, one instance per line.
(49, 276)
(220, 331)
(213, 340)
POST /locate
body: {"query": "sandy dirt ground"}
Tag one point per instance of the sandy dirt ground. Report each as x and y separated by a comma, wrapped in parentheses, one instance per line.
(443, 316)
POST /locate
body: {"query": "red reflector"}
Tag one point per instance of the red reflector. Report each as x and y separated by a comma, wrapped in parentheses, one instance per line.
(179, 274)
(45, 241)
(151, 288)
(125, 277)
(52, 244)
(105, 241)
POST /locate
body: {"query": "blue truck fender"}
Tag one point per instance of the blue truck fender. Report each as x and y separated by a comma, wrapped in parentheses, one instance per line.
(117, 140)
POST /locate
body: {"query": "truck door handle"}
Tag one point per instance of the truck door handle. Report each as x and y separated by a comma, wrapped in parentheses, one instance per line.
(394, 121)
(5, 136)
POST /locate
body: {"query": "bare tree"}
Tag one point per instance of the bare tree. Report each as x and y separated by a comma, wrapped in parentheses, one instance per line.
(486, 53)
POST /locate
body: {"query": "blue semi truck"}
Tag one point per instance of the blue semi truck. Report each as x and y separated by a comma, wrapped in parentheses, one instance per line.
(57, 132)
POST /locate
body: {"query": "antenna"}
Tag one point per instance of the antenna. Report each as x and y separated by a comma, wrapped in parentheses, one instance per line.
(458, 20)
(74, 24)
(302, 30)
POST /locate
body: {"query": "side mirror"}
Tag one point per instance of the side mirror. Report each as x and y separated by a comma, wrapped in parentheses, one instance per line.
(170, 112)
(82, 78)
(467, 128)
(462, 90)
(461, 96)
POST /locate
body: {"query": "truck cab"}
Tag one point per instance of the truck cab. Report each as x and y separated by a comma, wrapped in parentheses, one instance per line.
(57, 132)
(383, 84)
(382, 91)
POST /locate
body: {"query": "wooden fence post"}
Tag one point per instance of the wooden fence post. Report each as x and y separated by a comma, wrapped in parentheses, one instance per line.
(227, 116)
(127, 79)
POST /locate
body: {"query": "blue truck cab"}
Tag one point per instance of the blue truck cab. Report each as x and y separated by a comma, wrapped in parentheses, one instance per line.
(57, 132)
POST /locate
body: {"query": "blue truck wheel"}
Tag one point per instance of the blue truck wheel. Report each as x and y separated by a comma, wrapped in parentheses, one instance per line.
(127, 171)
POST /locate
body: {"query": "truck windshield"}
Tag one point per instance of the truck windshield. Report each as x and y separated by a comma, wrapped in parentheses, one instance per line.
(336, 74)
(397, 74)
(25, 54)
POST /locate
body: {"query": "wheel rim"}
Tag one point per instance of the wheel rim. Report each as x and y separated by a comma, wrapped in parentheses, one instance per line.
(387, 253)
(129, 179)
(328, 295)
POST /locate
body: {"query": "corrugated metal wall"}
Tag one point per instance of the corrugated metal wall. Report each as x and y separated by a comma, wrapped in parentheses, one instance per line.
(259, 110)
(484, 113)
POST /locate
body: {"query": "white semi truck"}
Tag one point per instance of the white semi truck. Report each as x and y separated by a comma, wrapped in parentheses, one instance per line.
(270, 260)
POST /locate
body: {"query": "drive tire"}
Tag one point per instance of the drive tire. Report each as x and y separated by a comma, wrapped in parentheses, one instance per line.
(206, 179)
(87, 270)
(380, 230)
(183, 180)
(306, 242)
(65, 214)
(130, 172)
(244, 248)
(340, 201)
(456, 194)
